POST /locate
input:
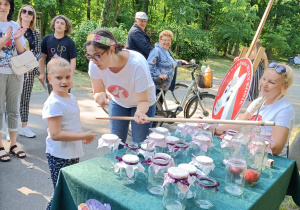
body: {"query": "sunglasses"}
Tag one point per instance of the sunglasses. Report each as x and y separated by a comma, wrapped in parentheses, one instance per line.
(279, 68)
(95, 56)
(23, 11)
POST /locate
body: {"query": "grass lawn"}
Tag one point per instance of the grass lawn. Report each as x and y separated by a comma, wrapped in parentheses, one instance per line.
(220, 65)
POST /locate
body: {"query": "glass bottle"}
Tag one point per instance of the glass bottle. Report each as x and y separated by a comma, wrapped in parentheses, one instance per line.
(193, 174)
(202, 145)
(204, 164)
(146, 152)
(108, 147)
(176, 185)
(158, 167)
(128, 168)
(206, 189)
(171, 141)
(234, 176)
(132, 148)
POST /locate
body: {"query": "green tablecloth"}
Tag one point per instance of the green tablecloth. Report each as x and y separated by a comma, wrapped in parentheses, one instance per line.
(86, 180)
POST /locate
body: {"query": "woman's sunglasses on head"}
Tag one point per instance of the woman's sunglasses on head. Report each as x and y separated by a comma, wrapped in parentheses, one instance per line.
(24, 11)
(279, 68)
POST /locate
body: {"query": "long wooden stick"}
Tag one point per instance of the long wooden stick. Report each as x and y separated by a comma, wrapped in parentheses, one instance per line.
(184, 120)
(261, 25)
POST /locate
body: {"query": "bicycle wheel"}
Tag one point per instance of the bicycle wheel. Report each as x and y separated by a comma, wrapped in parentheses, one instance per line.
(179, 92)
(192, 106)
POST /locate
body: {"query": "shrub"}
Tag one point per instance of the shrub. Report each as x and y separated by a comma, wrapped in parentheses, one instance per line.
(80, 35)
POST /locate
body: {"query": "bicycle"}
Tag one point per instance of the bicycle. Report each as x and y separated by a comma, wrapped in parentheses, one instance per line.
(192, 101)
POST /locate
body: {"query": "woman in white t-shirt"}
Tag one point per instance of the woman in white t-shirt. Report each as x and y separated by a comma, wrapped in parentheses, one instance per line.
(272, 106)
(123, 77)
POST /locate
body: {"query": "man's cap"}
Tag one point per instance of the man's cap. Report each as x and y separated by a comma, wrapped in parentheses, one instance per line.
(141, 15)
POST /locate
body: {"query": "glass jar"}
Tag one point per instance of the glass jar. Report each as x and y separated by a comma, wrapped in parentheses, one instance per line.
(225, 145)
(181, 152)
(202, 145)
(180, 132)
(157, 141)
(108, 147)
(206, 189)
(158, 167)
(192, 130)
(176, 185)
(193, 174)
(171, 141)
(255, 158)
(146, 152)
(161, 130)
(204, 164)
(234, 176)
(132, 148)
(128, 168)
(267, 151)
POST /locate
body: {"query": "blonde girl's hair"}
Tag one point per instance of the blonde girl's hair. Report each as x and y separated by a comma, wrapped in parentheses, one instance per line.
(56, 62)
(68, 30)
(166, 33)
(287, 80)
(33, 22)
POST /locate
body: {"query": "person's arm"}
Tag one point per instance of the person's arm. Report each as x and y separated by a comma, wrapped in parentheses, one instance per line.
(19, 45)
(37, 45)
(100, 95)
(153, 60)
(42, 68)
(73, 65)
(142, 43)
(280, 135)
(54, 125)
(142, 107)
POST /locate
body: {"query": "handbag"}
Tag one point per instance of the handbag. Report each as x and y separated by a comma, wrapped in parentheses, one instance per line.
(23, 63)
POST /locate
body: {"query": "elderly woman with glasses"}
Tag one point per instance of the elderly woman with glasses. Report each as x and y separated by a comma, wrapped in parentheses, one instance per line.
(161, 62)
(273, 105)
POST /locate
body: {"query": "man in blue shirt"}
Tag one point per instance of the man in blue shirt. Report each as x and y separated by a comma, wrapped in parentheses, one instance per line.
(137, 39)
(297, 59)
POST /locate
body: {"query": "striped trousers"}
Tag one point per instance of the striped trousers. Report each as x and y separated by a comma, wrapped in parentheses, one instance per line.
(10, 93)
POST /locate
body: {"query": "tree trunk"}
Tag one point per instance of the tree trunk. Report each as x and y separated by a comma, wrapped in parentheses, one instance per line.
(117, 12)
(146, 5)
(88, 12)
(105, 13)
(237, 47)
(276, 19)
(205, 24)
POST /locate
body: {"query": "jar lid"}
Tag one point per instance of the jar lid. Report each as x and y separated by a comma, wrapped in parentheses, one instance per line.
(156, 136)
(192, 124)
(161, 130)
(178, 173)
(161, 159)
(202, 138)
(181, 125)
(129, 158)
(144, 147)
(190, 168)
(171, 139)
(110, 137)
(204, 159)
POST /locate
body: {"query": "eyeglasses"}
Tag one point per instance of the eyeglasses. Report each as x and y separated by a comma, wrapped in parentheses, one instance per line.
(279, 68)
(166, 40)
(95, 56)
(23, 11)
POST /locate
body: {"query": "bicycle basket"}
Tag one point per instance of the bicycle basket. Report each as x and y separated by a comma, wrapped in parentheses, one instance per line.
(204, 81)
(200, 80)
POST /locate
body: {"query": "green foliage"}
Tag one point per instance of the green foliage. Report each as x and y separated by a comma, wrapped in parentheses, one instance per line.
(81, 33)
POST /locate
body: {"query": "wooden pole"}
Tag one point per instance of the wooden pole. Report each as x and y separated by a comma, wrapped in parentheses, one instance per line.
(184, 120)
(261, 25)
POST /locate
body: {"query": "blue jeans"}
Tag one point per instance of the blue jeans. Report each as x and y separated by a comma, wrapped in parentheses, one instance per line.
(120, 127)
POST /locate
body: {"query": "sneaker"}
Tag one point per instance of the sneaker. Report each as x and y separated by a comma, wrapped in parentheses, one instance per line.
(7, 135)
(26, 132)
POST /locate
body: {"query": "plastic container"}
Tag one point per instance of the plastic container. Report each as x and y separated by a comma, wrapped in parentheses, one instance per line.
(128, 168)
(108, 147)
(176, 185)
(234, 176)
(208, 77)
(206, 189)
(160, 164)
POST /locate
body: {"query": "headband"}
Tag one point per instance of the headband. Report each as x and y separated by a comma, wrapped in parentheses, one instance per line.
(100, 39)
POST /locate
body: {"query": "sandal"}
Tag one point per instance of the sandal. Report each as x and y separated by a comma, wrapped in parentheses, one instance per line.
(16, 154)
(3, 156)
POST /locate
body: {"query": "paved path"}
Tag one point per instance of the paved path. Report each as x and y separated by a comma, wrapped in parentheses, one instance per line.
(26, 184)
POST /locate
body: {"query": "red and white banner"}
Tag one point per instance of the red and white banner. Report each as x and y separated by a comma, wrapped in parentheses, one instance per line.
(233, 90)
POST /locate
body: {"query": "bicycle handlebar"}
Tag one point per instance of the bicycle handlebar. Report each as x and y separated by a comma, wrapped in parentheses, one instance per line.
(193, 65)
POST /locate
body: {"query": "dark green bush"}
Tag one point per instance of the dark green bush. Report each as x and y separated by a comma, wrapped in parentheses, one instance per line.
(80, 35)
